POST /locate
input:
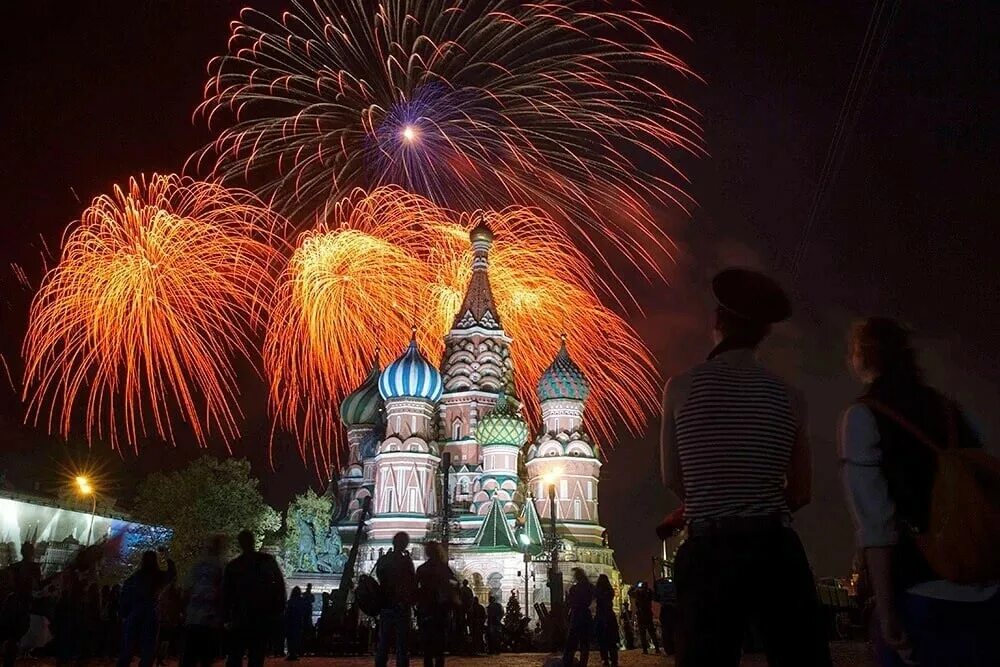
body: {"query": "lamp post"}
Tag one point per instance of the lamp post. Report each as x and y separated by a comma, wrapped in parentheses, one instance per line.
(85, 488)
(555, 576)
(526, 546)
(445, 502)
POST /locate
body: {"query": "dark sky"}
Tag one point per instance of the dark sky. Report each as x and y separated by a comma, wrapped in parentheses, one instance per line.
(95, 92)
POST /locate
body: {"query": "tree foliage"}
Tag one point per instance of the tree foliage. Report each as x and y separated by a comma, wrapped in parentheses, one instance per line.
(208, 496)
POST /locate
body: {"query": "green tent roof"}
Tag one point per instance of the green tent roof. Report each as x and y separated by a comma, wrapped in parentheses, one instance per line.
(495, 532)
(531, 525)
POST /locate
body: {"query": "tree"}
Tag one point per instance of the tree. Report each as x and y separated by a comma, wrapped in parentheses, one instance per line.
(515, 625)
(208, 496)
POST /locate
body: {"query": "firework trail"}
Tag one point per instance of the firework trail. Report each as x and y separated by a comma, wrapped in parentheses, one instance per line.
(388, 260)
(160, 286)
(471, 103)
(351, 286)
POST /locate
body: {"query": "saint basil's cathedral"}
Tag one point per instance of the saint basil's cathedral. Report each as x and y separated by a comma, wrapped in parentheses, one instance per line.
(405, 417)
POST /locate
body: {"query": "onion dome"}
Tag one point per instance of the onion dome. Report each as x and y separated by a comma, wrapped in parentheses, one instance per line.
(563, 379)
(502, 425)
(481, 232)
(411, 376)
(362, 406)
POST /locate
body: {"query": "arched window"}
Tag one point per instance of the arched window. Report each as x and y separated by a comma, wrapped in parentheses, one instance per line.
(577, 510)
(456, 429)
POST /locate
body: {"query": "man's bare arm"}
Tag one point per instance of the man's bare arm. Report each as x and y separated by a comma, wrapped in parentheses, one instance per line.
(798, 485)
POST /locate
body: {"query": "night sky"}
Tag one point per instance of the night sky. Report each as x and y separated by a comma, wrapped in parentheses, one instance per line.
(96, 92)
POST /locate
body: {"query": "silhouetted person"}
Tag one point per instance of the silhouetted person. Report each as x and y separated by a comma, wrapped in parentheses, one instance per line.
(477, 627)
(397, 579)
(642, 599)
(735, 450)
(204, 615)
(665, 593)
(171, 612)
(494, 625)
(22, 579)
(310, 601)
(578, 600)
(465, 614)
(627, 629)
(297, 612)
(437, 594)
(139, 608)
(253, 595)
(605, 622)
(887, 447)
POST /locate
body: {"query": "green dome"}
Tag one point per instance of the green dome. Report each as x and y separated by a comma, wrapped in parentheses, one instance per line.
(563, 379)
(502, 425)
(363, 405)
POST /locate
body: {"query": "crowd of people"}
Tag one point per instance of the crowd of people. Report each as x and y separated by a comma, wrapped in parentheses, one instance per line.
(734, 450)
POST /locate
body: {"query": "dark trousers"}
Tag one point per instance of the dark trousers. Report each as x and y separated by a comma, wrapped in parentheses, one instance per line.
(578, 637)
(434, 636)
(139, 633)
(726, 582)
(647, 633)
(250, 640)
(201, 646)
(943, 633)
(393, 621)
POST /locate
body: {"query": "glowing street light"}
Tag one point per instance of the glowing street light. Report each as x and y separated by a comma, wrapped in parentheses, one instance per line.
(85, 488)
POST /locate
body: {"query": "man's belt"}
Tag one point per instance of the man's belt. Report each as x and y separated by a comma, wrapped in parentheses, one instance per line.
(737, 525)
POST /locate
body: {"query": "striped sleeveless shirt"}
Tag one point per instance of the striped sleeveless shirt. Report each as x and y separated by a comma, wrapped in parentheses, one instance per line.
(734, 437)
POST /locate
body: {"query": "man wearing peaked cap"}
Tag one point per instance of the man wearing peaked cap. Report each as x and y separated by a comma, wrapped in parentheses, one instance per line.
(734, 450)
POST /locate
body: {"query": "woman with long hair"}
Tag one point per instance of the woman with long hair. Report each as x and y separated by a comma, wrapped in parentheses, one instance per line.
(920, 618)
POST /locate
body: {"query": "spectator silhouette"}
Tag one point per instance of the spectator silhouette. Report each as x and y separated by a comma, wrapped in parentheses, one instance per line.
(203, 617)
(397, 579)
(437, 595)
(920, 617)
(464, 615)
(297, 612)
(477, 627)
(627, 629)
(494, 625)
(578, 600)
(735, 450)
(642, 598)
(22, 579)
(253, 594)
(139, 608)
(605, 623)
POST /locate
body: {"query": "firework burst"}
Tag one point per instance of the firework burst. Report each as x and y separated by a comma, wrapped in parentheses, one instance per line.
(352, 285)
(471, 103)
(388, 260)
(159, 288)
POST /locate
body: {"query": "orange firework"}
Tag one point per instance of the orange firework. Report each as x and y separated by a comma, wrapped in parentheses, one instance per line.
(541, 288)
(388, 260)
(351, 286)
(160, 286)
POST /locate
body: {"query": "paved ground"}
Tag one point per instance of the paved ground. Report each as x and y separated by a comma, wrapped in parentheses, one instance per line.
(846, 654)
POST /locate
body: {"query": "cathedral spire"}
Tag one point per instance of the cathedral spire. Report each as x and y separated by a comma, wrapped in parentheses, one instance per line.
(478, 307)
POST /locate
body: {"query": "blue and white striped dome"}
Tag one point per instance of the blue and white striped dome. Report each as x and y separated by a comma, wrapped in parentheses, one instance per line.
(411, 376)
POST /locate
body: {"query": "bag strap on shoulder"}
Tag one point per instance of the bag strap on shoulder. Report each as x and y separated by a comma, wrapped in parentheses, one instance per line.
(915, 430)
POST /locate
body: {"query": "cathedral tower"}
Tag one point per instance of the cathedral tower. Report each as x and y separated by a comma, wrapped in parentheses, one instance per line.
(563, 453)
(407, 461)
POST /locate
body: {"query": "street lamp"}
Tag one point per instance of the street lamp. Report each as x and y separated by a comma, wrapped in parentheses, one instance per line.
(526, 547)
(85, 488)
(555, 576)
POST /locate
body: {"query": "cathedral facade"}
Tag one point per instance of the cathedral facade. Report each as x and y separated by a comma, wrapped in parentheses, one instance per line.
(498, 505)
